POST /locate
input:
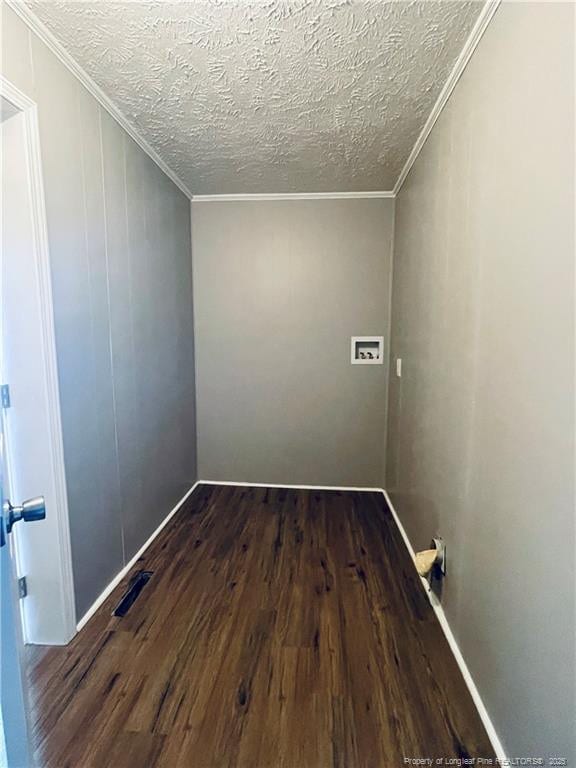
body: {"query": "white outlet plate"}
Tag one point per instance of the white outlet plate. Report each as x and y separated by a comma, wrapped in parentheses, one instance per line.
(367, 350)
(439, 545)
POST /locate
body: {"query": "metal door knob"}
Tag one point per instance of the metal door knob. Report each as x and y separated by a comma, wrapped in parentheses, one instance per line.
(30, 510)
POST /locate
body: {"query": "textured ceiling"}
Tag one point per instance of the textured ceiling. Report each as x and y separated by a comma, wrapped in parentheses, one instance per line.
(270, 95)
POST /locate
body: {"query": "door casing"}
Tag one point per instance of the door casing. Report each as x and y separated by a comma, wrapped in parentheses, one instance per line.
(55, 622)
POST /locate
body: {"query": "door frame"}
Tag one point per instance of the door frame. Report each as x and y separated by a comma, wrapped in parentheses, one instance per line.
(48, 370)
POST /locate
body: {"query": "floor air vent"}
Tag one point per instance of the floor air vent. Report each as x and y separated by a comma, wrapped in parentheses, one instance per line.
(137, 584)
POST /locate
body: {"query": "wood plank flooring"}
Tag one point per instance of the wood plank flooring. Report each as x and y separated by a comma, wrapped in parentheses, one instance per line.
(281, 629)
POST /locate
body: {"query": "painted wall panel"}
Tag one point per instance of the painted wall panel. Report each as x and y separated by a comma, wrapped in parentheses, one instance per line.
(280, 287)
(158, 223)
(119, 237)
(481, 428)
(16, 50)
(104, 458)
(95, 532)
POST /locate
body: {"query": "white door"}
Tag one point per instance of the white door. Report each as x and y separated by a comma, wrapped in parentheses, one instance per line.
(33, 438)
(14, 750)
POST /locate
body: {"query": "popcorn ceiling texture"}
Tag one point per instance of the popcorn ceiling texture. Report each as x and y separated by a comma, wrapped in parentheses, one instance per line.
(270, 95)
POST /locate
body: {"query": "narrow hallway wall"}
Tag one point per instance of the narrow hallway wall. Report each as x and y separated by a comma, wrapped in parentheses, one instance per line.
(119, 238)
(280, 287)
(481, 424)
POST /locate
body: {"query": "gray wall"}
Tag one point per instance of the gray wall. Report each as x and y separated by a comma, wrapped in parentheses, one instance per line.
(279, 288)
(119, 236)
(481, 423)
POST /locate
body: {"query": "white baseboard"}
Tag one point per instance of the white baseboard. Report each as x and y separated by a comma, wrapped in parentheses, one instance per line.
(296, 487)
(438, 610)
(454, 647)
(118, 578)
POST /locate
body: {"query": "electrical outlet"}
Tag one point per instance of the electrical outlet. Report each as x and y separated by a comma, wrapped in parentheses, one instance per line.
(439, 545)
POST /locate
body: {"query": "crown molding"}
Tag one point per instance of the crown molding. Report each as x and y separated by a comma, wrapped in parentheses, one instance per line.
(41, 31)
(486, 14)
(290, 196)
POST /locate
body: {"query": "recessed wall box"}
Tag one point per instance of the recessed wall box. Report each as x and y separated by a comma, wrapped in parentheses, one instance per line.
(367, 350)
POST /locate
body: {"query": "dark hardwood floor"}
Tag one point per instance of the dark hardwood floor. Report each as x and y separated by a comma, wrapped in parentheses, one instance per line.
(281, 629)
